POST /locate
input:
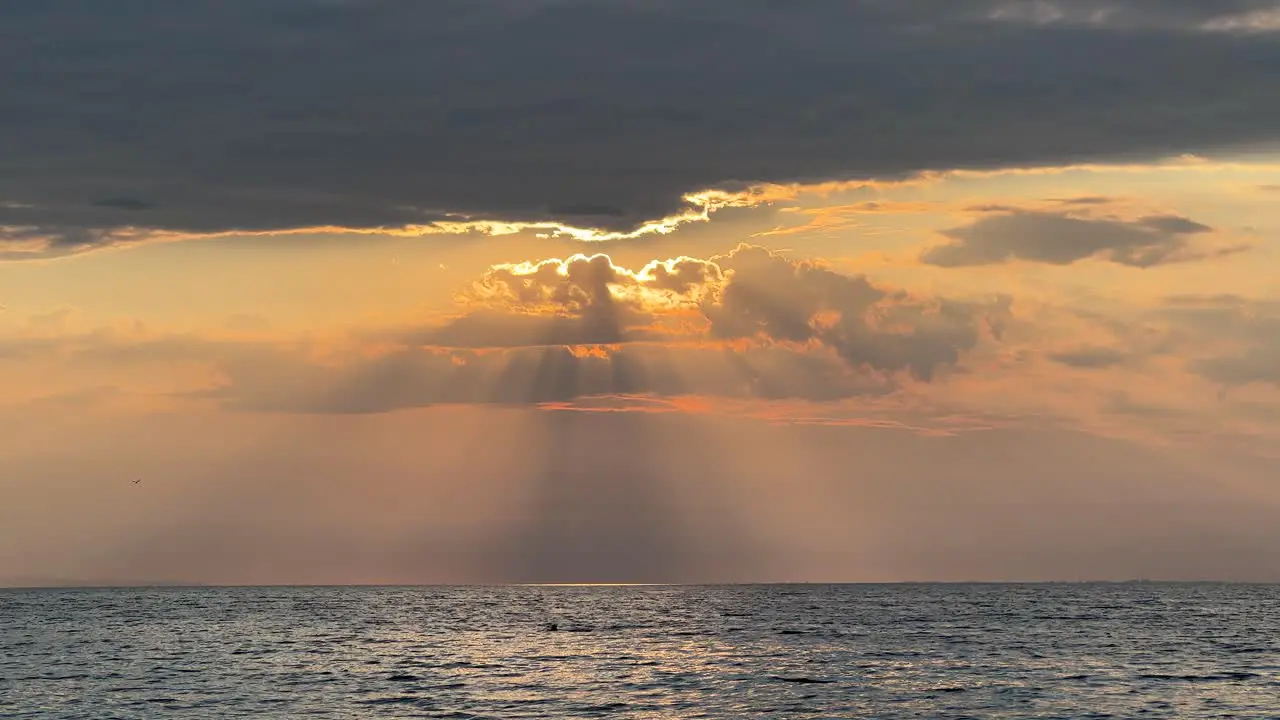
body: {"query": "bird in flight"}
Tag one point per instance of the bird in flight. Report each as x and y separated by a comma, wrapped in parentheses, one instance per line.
(135, 482)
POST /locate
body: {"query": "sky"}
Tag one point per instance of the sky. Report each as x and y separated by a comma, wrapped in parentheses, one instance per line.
(379, 291)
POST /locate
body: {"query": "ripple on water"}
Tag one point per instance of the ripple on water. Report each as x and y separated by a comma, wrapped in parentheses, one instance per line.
(989, 651)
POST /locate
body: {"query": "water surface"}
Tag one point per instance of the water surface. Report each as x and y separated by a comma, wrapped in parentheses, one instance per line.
(795, 651)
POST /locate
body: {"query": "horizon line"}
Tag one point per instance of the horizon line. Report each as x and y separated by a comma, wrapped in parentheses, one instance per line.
(232, 586)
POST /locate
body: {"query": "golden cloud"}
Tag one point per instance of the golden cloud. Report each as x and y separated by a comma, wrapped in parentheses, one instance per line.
(749, 295)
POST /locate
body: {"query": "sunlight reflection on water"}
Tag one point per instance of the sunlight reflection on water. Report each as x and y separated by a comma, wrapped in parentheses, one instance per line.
(991, 651)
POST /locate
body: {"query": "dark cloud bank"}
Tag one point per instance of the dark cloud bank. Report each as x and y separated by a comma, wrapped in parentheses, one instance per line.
(219, 115)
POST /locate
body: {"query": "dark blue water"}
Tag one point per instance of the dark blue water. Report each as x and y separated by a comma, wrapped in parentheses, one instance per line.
(934, 651)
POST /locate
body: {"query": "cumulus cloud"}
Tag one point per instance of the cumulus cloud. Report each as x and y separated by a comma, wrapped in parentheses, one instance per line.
(749, 294)
(580, 300)
(879, 328)
(1060, 239)
(384, 115)
(748, 324)
(585, 285)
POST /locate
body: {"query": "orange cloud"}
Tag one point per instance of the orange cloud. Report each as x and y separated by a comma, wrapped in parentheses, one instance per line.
(590, 351)
(834, 218)
(703, 204)
(749, 294)
(579, 282)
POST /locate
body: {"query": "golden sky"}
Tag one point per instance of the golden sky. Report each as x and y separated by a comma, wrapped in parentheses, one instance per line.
(786, 391)
(1027, 353)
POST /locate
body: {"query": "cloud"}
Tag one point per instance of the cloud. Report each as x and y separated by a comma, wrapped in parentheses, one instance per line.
(1260, 363)
(123, 203)
(749, 294)
(580, 300)
(1209, 15)
(1011, 234)
(602, 115)
(1230, 340)
(748, 324)
(1085, 200)
(1089, 357)
(869, 326)
(588, 285)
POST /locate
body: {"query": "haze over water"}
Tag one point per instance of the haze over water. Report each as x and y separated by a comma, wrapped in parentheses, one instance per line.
(800, 651)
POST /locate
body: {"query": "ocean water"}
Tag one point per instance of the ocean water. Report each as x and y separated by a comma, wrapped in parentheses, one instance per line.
(1143, 650)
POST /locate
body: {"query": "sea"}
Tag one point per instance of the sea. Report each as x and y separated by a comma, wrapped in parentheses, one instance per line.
(1123, 650)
